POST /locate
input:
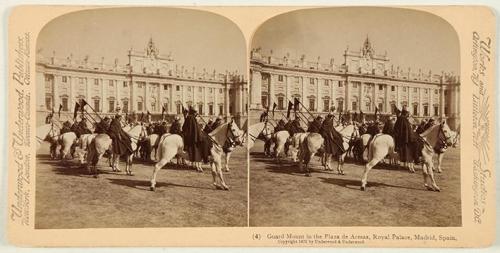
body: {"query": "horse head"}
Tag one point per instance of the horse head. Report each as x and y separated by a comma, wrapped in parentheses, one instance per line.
(235, 133)
(445, 134)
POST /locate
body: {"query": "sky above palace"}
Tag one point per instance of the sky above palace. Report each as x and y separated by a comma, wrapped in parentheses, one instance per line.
(411, 38)
(194, 38)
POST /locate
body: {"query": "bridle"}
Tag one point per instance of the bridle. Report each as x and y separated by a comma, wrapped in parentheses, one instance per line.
(231, 136)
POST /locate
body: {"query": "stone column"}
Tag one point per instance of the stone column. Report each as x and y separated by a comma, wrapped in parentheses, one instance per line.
(442, 101)
(226, 99)
(171, 98)
(361, 98)
(420, 103)
(375, 97)
(410, 99)
(271, 86)
(146, 96)
(386, 100)
(216, 105)
(304, 90)
(205, 104)
(71, 98)
(183, 94)
(288, 87)
(104, 86)
(398, 100)
(318, 95)
(347, 88)
(241, 96)
(256, 90)
(133, 94)
(333, 85)
(56, 99)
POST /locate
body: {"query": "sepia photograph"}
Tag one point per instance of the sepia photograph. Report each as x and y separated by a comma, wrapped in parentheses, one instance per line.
(139, 120)
(354, 119)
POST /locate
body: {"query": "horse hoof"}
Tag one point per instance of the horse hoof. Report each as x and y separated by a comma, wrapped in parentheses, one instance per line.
(363, 188)
(152, 188)
(308, 175)
(218, 187)
(429, 188)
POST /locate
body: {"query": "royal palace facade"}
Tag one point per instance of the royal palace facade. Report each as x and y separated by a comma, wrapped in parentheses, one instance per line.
(365, 80)
(148, 82)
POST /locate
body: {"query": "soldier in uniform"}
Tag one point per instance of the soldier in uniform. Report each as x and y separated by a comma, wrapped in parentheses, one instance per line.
(315, 125)
(195, 141)
(404, 138)
(333, 139)
(48, 119)
(175, 128)
(264, 115)
(122, 145)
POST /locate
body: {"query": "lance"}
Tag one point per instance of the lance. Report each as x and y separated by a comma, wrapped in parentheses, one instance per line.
(302, 117)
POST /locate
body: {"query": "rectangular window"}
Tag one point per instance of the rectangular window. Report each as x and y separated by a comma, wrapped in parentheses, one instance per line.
(221, 109)
(210, 90)
(125, 106)
(380, 87)
(368, 106)
(326, 105)
(341, 84)
(139, 106)
(165, 87)
(211, 109)
(354, 85)
(64, 102)
(200, 89)
(179, 108)
(64, 79)
(311, 80)
(380, 107)
(280, 78)
(125, 84)
(326, 82)
(426, 110)
(446, 112)
(177, 88)
(220, 91)
(165, 107)
(97, 104)
(340, 105)
(436, 110)
(415, 90)
(404, 88)
(80, 80)
(111, 107)
(435, 91)
(426, 91)
(200, 109)
(296, 80)
(111, 83)
(281, 103)
(311, 104)
(264, 100)
(354, 106)
(96, 82)
(48, 103)
(189, 88)
(393, 88)
(415, 109)
(153, 107)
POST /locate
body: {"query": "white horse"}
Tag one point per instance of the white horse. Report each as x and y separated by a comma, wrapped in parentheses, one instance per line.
(171, 145)
(383, 145)
(454, 137)
(280, 138)
(153, 140)
(67, 140)
(48, 133)
(99, 145)
(136, 133)
(296, 143)
(348, 133)
(255, 130)
(84, 142)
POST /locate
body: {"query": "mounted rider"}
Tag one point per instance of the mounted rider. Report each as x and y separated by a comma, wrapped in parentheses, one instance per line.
(280, 126)
(333, 139)
(102, 126)
(315, 125)
(196, 143)
(122, 144)
(66, 127)
(176, 128)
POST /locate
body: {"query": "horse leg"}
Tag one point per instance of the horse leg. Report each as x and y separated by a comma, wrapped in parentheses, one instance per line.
(431, 174)
(439, 162)
(226, 166)
(341, 164)
(116, 162)
(128, 167)
(214, 175)
(308, 157)
(218, 165)
(157, 168)
(425, 174)
(368, 167)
